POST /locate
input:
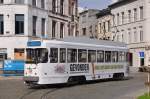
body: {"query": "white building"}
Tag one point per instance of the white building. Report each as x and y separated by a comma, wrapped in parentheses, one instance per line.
(131, 25)
(24, 20)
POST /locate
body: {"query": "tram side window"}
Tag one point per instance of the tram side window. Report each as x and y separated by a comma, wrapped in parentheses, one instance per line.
(107, 56)
(62, 55)
(122, 57)
(100, 56)
(39, 55)
(91, 56)
(72, 55)
(127, 57)
(44, 55)
(114, 56)
(82, 55)
(54, 55)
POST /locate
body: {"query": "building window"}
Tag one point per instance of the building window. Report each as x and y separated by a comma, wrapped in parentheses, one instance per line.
(129, 37)
(53, 29)
(1, 1)
(96, 29)
(43, 4)
(90, 30)
(104, 27)
(19, 24)
(141, 35)
(118, 19)
(43, 27)
(109, 26)
(53, 6)
(135, 36)
(135, 14)
(19, 1)
(61, 30)
(100, 28)
(84, 31)
(122, 38)
(1, 25)
(129, 16)
(141, 13)
(34, 25)
(34, 3)
(123, 17)
(19, 54)
(62, 7)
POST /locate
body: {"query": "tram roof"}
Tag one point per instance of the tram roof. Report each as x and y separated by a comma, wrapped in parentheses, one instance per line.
(84, 40)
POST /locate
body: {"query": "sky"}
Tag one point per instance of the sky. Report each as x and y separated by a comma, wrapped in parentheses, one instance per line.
(94, 4)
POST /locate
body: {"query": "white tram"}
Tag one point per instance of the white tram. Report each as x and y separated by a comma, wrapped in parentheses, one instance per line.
(74, 59)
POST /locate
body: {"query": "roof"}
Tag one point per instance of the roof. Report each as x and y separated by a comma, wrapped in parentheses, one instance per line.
(86, 11)
(93, 41)
(88, 42)
(103, 12)
(120, 3)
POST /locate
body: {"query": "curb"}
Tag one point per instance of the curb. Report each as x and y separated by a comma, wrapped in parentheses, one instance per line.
(10, 78)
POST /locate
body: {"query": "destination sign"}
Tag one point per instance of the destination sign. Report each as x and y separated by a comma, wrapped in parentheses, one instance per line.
(34, 43)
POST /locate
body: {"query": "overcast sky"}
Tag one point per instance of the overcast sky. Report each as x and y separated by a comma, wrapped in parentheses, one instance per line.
(94, 4)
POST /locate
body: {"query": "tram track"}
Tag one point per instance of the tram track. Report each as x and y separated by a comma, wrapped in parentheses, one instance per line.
(44, 96)
(28, 93)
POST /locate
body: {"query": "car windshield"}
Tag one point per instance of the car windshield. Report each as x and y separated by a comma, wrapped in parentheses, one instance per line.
(38, 55)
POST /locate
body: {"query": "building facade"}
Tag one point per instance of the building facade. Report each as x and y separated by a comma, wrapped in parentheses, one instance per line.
(131, 21)
(24, 20)
(88, 23)
(104, 24)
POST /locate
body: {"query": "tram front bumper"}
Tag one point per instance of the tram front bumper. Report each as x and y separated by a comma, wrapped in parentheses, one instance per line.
(31, 79)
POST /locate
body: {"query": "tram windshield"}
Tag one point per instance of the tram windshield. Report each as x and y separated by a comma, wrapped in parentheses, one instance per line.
(38, 55)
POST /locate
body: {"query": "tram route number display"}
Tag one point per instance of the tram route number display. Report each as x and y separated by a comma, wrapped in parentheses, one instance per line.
(80, 68)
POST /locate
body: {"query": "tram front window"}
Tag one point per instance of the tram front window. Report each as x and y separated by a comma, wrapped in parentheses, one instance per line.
(39, 55)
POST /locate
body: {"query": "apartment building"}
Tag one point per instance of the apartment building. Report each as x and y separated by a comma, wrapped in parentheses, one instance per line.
(104, 24)
(131, 21)
(24, 20)
(88, 23)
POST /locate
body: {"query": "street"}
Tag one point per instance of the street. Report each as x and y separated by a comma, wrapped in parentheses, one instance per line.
(14, 88)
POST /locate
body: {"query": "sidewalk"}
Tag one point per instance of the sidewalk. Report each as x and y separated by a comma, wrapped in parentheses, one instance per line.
(134, 69)
(134, 95)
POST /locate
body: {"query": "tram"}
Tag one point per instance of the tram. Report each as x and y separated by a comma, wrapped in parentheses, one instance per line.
(74, 59)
